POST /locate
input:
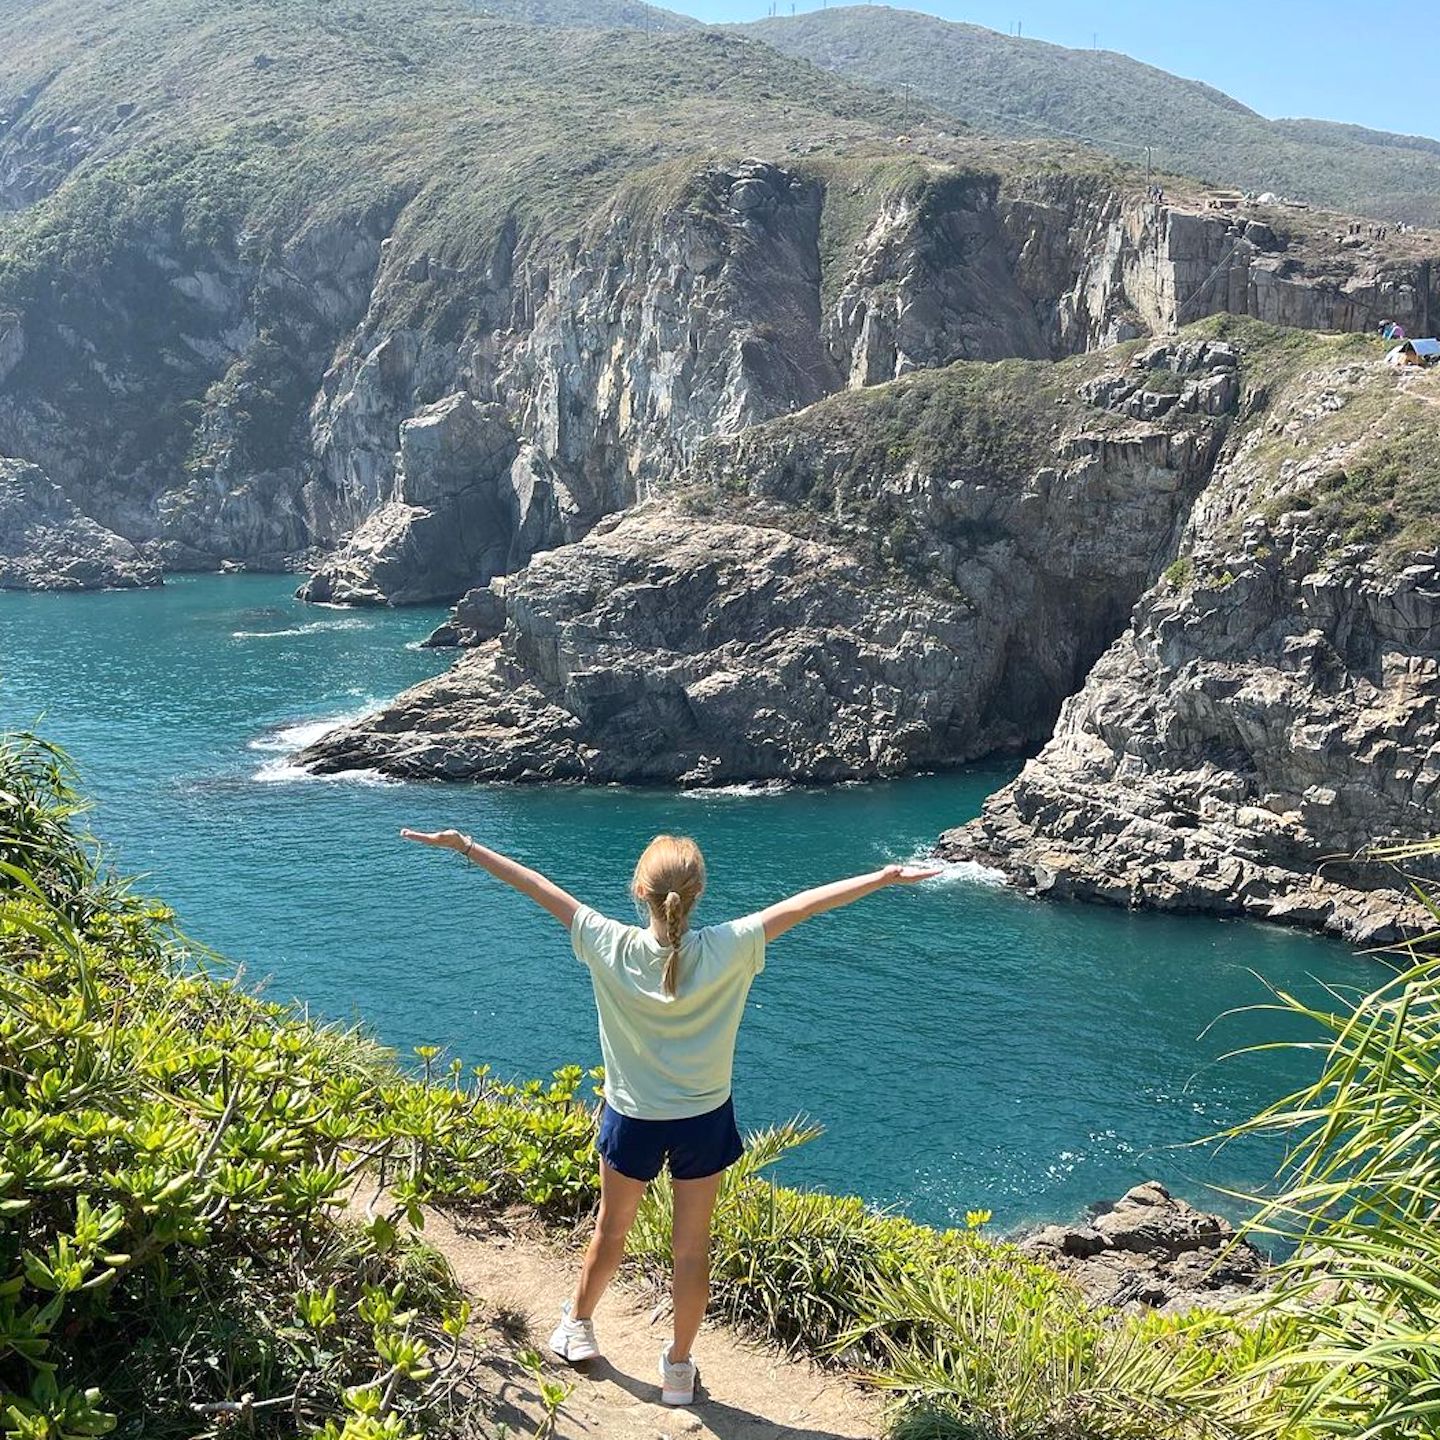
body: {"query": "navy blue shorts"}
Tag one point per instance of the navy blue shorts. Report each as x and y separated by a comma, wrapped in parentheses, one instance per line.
(697, 1146)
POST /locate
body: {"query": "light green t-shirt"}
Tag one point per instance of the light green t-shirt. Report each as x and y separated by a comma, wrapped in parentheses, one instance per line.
(668, 1058)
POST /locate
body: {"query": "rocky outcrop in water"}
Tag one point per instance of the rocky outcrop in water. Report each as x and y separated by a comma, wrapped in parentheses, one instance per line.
(47, 544)
(451, 520)
(1274, 706)
(1150, 1251)
(667, 648)
(941, 610)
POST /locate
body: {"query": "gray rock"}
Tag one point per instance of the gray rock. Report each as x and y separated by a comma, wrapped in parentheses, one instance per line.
(1258, 724)
(945, 616)
(1148, 1250)
(47, 544)
(451, 518)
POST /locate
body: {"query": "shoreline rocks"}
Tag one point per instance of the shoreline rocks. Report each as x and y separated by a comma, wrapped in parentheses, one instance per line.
(1151, 1251)
(1272, 710)
(47, 544)
(662, 649)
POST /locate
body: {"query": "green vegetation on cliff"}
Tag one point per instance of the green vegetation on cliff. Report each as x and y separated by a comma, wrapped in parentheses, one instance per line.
(1005, 85)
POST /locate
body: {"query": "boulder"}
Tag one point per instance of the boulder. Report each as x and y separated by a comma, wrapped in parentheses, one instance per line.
(1149, 1250)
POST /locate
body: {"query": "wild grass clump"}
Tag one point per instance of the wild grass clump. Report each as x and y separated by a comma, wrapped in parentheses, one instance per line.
(971, 1339)
(177, 1164)
(1359, 1207)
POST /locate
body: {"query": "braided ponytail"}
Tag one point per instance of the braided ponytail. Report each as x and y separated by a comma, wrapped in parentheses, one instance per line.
(669, 878)
(673, 913)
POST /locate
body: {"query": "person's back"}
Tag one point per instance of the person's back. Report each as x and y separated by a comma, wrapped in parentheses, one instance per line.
(668, 1056)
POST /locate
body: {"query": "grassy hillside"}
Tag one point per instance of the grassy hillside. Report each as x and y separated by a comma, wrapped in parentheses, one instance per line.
(1009, 86)
(586, 14)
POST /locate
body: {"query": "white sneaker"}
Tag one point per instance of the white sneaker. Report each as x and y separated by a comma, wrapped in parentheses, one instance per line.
(574, 1340)
(677, 1380)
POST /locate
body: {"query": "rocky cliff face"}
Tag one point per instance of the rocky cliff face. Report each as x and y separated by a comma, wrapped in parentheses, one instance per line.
(228, 399)
(1274, 706)
(917, 574)
(47, 544)
(887, 606)
(452, 518)
(618, 355)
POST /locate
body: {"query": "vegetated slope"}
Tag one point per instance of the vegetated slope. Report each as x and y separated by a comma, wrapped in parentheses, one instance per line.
(200, 199)
(252, 254)
(1006, 85)
(586, 14)
(181, 1247)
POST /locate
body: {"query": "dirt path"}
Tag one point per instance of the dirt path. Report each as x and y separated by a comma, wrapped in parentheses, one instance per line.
(745, 1391)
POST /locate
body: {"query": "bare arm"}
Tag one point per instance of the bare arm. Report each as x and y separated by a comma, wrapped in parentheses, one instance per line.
(786, 914)
(530, 883)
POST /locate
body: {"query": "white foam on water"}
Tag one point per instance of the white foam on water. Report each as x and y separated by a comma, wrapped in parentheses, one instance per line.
(958, 872)
(745, 790)
(350, 622)
(282, 771)
(290, 738)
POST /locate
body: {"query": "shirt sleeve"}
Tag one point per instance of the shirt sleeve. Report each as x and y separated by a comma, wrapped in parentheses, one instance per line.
(747, 935)
(585, 931)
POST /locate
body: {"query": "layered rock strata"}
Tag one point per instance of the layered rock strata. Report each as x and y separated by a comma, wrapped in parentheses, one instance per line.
(47, 544)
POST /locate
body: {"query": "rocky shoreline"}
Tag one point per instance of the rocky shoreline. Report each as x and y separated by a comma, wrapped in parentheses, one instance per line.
(750, 630)
(1150, 1251)
(47, 544)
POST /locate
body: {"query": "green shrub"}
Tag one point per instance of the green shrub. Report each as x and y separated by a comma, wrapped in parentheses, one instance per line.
(176, 1158)
(1180, 573)
(1358, 1209)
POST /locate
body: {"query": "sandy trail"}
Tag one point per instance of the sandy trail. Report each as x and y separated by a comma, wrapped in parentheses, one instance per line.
(746, 1392)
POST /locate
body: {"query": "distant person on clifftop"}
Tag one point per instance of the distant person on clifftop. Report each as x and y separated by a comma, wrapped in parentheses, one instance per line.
(669, 1000)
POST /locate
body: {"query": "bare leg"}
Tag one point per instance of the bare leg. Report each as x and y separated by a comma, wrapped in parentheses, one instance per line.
(690, 1252)
(619, 1199)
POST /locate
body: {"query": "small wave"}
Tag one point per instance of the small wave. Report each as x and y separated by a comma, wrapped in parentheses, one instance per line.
(351, 622)
(283, 771)
(297, 735)
(959, 872)
(745, 790)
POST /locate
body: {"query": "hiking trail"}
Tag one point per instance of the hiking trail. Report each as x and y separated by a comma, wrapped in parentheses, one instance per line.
(517, 1281)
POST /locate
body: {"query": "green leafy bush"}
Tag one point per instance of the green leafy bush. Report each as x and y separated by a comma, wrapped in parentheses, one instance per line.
(177, 1158)
(1359, 1208)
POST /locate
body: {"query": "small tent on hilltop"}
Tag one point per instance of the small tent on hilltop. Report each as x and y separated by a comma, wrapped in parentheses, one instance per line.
(1414, 352)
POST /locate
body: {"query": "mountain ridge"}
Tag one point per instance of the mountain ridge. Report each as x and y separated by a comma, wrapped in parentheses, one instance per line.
(1035, 87)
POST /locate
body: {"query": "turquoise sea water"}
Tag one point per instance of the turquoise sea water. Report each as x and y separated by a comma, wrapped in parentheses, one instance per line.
(963, 1046)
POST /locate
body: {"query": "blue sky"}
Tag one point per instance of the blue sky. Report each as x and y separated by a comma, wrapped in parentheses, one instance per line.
(1327, 59)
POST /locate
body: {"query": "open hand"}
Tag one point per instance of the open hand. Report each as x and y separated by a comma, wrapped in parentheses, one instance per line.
(444, 839)
(911, 874)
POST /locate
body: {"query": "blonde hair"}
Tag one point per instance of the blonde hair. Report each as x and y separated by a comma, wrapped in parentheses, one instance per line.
(669, 878)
